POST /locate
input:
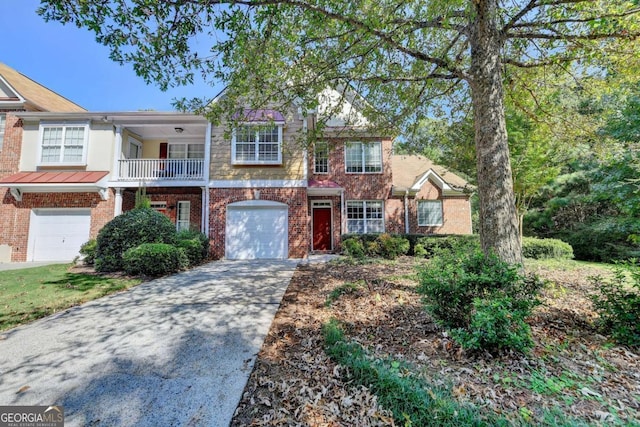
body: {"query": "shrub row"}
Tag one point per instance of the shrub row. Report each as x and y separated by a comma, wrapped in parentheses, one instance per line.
(393, 245)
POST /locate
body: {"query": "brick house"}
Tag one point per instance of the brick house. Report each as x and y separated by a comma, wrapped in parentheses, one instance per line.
(254, 188)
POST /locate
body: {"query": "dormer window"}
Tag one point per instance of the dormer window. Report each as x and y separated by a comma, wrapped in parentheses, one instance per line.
(254, 144)
(63, 143)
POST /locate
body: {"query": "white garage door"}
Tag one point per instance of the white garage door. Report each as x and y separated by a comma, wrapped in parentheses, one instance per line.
(57, 234)
(257, 229)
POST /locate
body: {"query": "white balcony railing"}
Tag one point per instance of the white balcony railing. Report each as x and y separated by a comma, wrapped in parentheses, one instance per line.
(161, 169)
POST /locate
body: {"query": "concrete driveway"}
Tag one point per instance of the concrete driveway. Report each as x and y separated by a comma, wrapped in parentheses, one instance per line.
(176, 351)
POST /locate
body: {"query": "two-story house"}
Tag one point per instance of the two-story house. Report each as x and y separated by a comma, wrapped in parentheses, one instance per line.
(254, 188)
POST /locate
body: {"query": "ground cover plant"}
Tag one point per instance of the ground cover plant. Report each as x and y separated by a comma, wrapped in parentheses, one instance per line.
(31, 293)
(573, 374)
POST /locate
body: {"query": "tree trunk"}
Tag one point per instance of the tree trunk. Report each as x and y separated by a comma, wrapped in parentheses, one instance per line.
(498, 217)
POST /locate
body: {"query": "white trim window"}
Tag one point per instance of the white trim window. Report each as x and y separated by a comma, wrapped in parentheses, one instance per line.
(363, 157)
(321, 157)
(365, 216)
(3, 124)
(63, 143)
(183, 215)
(429, 213)
(257, 145)
(185, 151)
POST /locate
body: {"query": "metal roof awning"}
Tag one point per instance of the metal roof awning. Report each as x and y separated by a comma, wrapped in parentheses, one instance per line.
(56, 182)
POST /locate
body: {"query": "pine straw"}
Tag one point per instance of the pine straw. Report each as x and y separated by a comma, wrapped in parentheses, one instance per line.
(572, 367)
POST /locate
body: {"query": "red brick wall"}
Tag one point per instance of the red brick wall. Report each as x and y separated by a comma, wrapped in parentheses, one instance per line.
(15, 226)
(172, 196)
(295, 198)
(456, 212)
(11, 148)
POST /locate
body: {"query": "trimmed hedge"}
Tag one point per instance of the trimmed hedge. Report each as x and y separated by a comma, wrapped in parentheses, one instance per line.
(154, 259)
(193, 249)
(420, 244)
(130, 230)
(88, 251)
(535, 248)
(375, 245)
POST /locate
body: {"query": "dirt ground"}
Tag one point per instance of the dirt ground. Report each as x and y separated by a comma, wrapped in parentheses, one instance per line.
(572, 368)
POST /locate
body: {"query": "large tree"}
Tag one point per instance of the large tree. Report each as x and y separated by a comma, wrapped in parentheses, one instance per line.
(400, 55)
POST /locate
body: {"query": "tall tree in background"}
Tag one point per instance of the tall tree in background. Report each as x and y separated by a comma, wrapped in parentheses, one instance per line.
(400, 54)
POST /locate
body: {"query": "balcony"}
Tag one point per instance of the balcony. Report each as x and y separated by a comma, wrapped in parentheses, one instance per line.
(161, 170)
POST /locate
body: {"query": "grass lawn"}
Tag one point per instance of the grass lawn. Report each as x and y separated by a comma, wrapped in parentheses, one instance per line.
(31, 293)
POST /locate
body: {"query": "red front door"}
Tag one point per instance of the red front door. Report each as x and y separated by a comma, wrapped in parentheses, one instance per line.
(322, 229)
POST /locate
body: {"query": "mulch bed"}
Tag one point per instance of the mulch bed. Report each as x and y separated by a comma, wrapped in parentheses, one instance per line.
(572, 367)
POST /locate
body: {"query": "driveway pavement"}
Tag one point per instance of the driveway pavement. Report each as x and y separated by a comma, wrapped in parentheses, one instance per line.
(176, 351)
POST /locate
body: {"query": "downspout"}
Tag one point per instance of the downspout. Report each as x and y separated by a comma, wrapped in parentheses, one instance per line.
(406, 212)
(207, 175)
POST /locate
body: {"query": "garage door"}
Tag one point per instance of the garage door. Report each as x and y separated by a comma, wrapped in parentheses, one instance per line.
(57, 234)
(257, 229)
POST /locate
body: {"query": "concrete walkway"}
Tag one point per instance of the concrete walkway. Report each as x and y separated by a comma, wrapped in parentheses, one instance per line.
(176, 351)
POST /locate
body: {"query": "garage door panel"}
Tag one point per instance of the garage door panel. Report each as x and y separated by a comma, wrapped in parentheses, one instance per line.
(256, 232)
(56, 235)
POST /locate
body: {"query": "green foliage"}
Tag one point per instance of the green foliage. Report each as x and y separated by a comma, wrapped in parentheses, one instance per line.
(154, 259)
(344, 289)
(88, 251)
(192, 249)
(496, 324)
(412, 400)
(618, 304)
(546, 248)
(480, 299)
(391, 247)
(596, 209)
(353, 247)
(129, 230)
(198, 253)
(142, 200)
(435, 244)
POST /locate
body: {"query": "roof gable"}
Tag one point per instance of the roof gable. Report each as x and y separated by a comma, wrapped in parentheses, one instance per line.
(31, 93)
(410, 173)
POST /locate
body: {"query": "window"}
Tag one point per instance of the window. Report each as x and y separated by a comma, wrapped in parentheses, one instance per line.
(183, 215)
(429, 212)
(135, 149)
(63, 144)
(363, 157)
(158, 206)
(252, 144)
(3, 123)
(365, 216)
(321, 158)
(186, 151)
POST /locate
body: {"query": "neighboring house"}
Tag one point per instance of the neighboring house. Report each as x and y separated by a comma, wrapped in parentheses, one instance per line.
(256, 190)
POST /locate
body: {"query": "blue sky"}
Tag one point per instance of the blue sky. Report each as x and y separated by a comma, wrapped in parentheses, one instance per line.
(69, 61)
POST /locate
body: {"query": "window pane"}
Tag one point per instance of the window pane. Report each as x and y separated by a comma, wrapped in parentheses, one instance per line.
(355, 210)
(372, 157)
(195, 151)
(321, 158)
(51, 144)
(245, 134)
(353, 157)
(183, 215)
(177, 151)
(268, 152)
(429, 212)
(268, 134)
(245, 152)
(73, 144)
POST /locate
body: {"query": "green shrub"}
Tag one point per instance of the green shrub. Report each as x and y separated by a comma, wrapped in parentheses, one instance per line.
(193, 249)
(154, 259)
(618, 304)
(496, 324)
(130, 230)
(419, 251)
(202, 238)
(434, 244)
(88, 251)
(461, 289)
(391, 247)
(353, 247)
(535, 248)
